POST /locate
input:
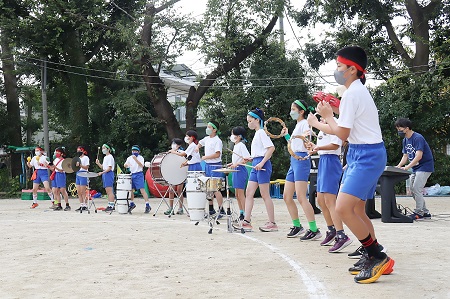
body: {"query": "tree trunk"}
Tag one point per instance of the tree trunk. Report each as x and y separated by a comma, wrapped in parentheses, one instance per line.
(12, 101)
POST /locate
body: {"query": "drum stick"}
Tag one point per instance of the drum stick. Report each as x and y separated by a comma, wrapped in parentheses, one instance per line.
(236, 154)
(250, 166)
(98, 152)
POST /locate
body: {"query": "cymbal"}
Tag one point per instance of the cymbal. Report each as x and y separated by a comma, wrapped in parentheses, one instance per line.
(226, 170)
(66, 165)
(74, 165)
(86, 174)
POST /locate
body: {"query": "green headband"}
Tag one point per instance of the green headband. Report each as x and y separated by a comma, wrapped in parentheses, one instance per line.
(215, 127)
(300, 104)
(108, 147)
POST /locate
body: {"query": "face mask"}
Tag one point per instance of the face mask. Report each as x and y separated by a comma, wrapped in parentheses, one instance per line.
(233, 138)
(79, 154)
(339, 77)
(209, 131)
(135, 154)
(401, 134)
(104, 151)
(174, 146)
(186, 139)
(294, 114)
(37, 153)
(57, 154)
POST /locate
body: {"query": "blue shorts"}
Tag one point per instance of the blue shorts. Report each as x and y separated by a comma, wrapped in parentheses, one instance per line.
(329, 174)
(209, 167)
(240, 177)
(108, 179)
(80, 181)
(60, 180)
(195, 167)
(365, 164)
(41, 176)
(261, 176)
(137, 180)
(299, 169)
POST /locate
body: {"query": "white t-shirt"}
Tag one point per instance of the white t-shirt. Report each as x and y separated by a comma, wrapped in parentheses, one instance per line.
(39, 162)
(325, 139)
(190, 151)
(260, 143)
(133, 165)
(84, 162)
(239, 149)
(358, 112)
(58, 164)
(108, 160)
(297, 144)
(212, 146)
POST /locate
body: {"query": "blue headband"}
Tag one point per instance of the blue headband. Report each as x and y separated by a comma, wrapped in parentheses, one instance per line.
(252, 114)
(135, 148)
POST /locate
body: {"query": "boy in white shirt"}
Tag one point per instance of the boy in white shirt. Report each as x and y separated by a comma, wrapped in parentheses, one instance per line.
(135, 163)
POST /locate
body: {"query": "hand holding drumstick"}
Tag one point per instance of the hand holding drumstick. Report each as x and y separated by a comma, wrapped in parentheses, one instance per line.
(245, 160)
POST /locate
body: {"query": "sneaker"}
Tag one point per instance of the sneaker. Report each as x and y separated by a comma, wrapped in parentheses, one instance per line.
(109, 209)
(58, 208)
(357, 254)
(212, 213)
(269, 227)
(373, 268)
(84, 208)
(131, 207)
(359, 265)
(241, 217)
(221, 214)
(77, 210)
(180, 212)
(168, 212)
(310, 235)
(415, 216)
(34, 205)
(329, 237)
(148, 208)
(340, 244)
(67, 208)
(427, 216)
(53, 206)
(295, 232)
(246, 226)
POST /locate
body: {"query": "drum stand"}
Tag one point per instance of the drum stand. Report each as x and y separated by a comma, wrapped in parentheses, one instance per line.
(175, 202)
(231, 214)
(90, 200)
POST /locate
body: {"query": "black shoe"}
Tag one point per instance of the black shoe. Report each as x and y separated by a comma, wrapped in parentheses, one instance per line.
(84, 208)
(58, 208)
(79, 209)
(148, 208)
(373, 268)
(310, 235)
(358, 265)
(241, 217)
(295, 232)
(109, 209)
(67, 208)
(357, 254)
(131, 207)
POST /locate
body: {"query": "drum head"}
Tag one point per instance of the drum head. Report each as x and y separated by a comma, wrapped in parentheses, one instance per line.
(171, 169)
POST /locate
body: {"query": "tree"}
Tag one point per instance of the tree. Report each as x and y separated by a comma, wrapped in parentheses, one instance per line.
(231, 34)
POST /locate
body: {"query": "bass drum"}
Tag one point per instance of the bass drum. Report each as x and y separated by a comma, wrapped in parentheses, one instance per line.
(166, 169)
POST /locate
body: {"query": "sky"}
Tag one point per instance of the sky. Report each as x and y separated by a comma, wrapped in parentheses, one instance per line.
(194, 60)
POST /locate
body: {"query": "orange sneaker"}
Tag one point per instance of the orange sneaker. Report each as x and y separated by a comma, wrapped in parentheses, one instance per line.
(34, 205)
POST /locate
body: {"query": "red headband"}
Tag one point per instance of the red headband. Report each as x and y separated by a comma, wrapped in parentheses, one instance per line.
(351, 63)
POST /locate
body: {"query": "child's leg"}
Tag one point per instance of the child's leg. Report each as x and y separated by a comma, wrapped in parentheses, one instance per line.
(325, 211)
(288, 195)
(249, 199)
(240, 196)
(264, 189)
(300, 189)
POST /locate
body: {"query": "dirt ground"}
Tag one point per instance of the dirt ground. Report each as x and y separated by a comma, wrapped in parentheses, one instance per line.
(57, 254)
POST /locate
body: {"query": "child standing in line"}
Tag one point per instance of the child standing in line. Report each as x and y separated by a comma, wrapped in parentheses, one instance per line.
(107, 174)
(40, 164)
(176, 148)
(366, 158)
(328, 180)
(59, 181)
(239, 178)
(82, 182)
(298, 174)
(135, 163)
(213, 158)
(193, 157)
(262, 149)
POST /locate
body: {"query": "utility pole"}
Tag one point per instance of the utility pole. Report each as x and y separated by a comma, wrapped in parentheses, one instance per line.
(44, 106)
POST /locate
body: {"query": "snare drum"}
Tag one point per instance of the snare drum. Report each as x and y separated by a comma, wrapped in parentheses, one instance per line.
(215, 184)
(193, 183)
(124, 182)
(165, 169)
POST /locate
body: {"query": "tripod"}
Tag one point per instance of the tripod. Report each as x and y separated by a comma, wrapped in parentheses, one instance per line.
(231, 213)
(90, 200)
(175, 203)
